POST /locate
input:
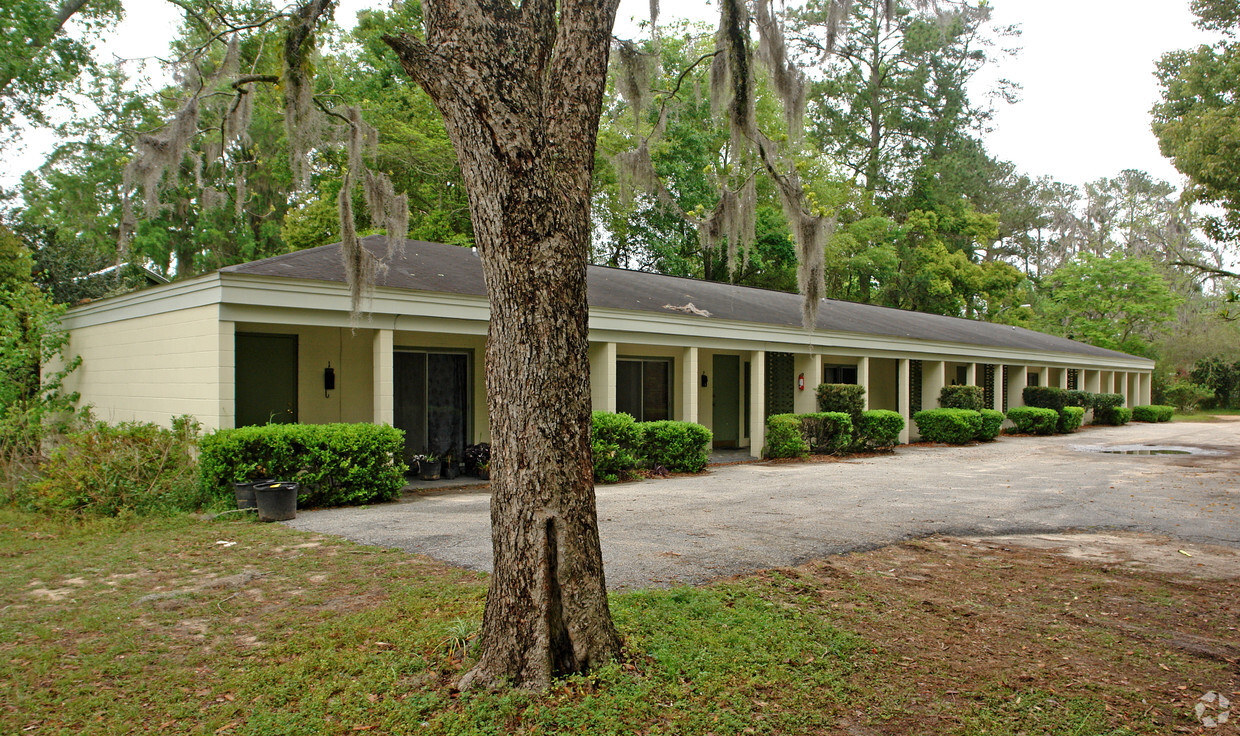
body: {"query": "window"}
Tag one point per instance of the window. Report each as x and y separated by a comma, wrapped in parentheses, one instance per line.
(643, 388)
(1032, 379)
(839, 373)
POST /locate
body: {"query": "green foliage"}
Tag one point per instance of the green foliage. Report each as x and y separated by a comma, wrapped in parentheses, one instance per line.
(1114, 302)
(1153, 413)
(1106, 401)
(784, 438)
(842, 397)
(1070, 419)
(992, 424)
(951, 426)
(1075, 397)
(681, 447)
(1116, 416)
(130, 468)
(336, 464)
(879, 428)
(962, 397)
(828, 432)
(615, 442)
(1220, 377)
(1046, 397)
(1187, 397)
(1034, 419)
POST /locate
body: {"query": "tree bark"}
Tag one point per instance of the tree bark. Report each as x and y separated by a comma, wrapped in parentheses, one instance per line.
(521, 89)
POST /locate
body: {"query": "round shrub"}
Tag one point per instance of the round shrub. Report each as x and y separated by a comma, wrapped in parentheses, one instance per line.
(842, 397)
(1034, 419)
(614, 443)
(962, 397)
(879, 428)
(827, 432)
(992, 423)
(1046, 397)
(1152, 413)
(681, 447)
(783, 437)
(1115, 416)
(1070, 418)
(952, 426)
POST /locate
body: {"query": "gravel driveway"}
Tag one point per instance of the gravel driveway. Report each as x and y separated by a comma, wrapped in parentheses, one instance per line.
(739, 518)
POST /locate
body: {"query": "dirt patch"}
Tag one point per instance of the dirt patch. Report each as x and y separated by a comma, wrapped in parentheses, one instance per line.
(967, 629)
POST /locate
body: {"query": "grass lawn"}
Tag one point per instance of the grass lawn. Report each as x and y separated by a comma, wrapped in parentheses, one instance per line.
(231, 627)
(1205, 415)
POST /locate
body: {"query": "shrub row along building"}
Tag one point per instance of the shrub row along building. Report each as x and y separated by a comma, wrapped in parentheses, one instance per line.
(271, 341)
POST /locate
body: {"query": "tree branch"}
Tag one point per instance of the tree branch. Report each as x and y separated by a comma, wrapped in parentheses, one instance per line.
(418, 61)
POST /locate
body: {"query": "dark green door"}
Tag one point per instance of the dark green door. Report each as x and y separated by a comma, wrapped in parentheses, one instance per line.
(266, 379)
(725, 401)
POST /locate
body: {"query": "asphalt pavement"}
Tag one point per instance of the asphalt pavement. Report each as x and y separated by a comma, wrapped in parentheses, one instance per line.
(739, 518)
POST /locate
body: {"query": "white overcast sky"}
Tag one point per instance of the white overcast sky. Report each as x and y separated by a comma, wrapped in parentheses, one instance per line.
(1086, 67)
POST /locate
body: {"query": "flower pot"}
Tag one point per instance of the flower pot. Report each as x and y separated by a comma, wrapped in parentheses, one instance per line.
(245, 495)
(277, 500)
(484, 474)
(428, 471)
(450, 470)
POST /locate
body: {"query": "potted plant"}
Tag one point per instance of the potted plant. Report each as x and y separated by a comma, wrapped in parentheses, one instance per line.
(276, 500)
(484, 471)
(428, 466)
(244, 490)
(450, 467)
(476, 456)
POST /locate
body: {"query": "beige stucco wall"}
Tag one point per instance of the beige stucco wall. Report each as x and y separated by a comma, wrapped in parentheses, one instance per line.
(154, 367)
(884, 388)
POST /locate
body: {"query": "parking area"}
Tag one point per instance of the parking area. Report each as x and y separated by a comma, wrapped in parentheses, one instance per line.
(739, 518)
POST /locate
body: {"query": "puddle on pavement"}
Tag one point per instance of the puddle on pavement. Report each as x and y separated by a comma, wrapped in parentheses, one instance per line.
(1145, 450)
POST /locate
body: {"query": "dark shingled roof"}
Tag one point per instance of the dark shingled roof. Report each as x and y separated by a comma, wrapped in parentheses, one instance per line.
(451, 269)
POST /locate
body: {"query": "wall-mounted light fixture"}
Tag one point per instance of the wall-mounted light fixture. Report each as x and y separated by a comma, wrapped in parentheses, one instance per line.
(329, 379)
(704, 381)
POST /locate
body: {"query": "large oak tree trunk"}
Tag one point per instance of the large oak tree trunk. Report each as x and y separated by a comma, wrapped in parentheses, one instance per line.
(520, 90)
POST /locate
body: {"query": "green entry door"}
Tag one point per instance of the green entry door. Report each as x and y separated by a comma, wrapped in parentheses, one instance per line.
(266, 379)
(725, 401)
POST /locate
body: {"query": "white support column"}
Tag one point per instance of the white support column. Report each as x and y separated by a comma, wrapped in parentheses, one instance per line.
(972, 375)
(1134, 389)
(385, 409)
(997, 399)
(1018, 378)
(226, 417)
(808, 365)
(603, 376)
(1147, 388)
(687, 401)
(757, 402)
(1121, 386)
(933, 379)
(863, 377)
(1044, 376)
(902, 379)
(1063, 378)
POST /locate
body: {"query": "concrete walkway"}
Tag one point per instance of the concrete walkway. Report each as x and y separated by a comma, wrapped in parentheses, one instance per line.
(739, 518)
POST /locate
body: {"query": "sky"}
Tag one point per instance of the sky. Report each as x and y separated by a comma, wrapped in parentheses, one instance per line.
(1086, 67)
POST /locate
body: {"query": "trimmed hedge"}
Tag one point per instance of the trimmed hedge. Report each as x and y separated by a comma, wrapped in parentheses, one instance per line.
(1034, 419)
(1105, 406)
(1070, 418)
(1153, 413)
(336, 464)
(783, 437)
(681, 447)
(615, 441)
(1116, 416)
(879, 428)
(1045, 397)
(842, 397)
(827, 432)
(1083, 399)
(952, 426)
(992, 424)
(962, 397)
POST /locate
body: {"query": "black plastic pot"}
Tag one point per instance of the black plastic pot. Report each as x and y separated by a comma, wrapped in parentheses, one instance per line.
(245, 495)
(450, 469)
(429, 471)
(277, 500)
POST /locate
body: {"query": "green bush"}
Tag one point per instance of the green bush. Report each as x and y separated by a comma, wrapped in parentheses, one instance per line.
(1034, 419)
(133, 467)
(952, 426)
(827, 432)
(962, 397)
(1083, 399)
(1187, 397)
(1070, 418)
(1116, 416)
(1105, 409)
(1045, 397)
(1106, 401)
(992, 423)
(783, 437)
(879, 428)
(336, 464)
(681, 447)
(615, 441)
(1153, 413)
(843, 397)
